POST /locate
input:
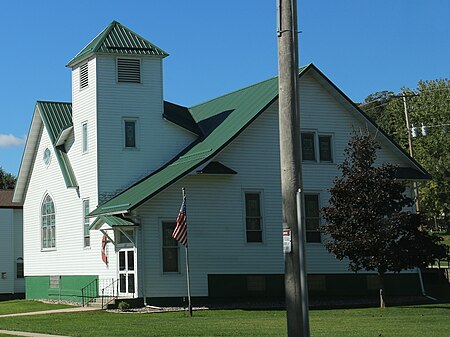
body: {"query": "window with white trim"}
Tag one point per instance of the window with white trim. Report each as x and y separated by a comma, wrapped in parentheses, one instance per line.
(84, 128)
(325, 148)
(317, 147)
(308, 146)
(130, 126)
(253, 217)
(86, 224)
(312, 217)
(48, 223)
(170, 249)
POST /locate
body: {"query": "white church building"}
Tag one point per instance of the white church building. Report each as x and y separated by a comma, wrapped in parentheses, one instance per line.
(111, 165)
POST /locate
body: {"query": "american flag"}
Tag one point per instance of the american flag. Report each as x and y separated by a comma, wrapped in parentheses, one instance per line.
(180, 231)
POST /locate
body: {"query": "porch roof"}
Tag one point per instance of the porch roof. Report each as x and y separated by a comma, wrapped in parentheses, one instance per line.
(112, 220)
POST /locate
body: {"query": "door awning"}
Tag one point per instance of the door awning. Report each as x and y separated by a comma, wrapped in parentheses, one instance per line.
(112, 220)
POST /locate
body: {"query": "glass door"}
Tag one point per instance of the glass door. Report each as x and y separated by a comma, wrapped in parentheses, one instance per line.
(127, 273)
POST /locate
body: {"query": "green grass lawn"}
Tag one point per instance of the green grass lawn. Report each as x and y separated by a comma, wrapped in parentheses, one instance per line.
(410, 321)
(17, 306)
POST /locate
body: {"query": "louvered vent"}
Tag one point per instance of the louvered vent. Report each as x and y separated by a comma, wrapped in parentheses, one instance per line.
(129, 70)
(84, 76)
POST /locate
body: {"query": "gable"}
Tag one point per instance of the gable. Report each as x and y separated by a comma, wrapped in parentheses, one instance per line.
(56, 118)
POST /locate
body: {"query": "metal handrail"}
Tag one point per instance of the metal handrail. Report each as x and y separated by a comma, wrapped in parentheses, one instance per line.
(114, 286)
(89, 292)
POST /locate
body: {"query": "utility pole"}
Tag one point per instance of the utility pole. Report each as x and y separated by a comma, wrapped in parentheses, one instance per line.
(410, 144)
(291, 173)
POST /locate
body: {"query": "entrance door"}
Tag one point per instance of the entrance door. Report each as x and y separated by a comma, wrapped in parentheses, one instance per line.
(127, 273)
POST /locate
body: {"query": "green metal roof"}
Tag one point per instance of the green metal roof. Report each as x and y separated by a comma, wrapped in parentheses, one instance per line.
(118, 39)
(57, 117)
(221, 120)
(113, 221)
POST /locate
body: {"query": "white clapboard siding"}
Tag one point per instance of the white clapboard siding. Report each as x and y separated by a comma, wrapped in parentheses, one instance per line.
(69, 257)
(158, 141)
(215, 204)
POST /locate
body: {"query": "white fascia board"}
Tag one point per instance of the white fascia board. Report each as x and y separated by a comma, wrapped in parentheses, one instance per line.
(28, 157)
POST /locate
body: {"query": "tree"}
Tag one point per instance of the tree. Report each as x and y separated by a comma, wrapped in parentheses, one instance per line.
(365, 220)
(431, 107)
(7, 180)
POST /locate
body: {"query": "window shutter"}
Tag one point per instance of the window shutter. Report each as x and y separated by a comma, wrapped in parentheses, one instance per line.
(84, 76)
(129, 70)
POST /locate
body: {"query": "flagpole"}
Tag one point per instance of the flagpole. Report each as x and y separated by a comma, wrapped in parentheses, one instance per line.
(188, 279)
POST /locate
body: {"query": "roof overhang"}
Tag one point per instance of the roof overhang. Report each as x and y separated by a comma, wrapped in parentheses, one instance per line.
(63, 136)
(28, 157)
(111, 220)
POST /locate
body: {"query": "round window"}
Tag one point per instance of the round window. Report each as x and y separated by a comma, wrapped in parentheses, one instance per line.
(47, 156)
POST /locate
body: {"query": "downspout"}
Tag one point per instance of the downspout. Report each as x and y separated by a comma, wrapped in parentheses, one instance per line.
(422, 288)
(142, 263)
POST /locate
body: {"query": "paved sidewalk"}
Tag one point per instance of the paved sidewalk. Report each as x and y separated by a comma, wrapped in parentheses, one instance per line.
(45, 312)
(27, 334)
(55, 311)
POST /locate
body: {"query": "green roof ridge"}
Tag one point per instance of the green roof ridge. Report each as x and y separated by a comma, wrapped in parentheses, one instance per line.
(130, 44)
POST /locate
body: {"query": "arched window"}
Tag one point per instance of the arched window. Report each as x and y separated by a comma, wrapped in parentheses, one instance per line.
(19, 264)
(48, 223)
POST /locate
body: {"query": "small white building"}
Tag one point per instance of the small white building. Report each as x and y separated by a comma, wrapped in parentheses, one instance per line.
(12, 282)
(111, 164)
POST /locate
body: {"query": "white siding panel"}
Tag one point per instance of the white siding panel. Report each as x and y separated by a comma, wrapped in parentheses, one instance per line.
(158, 140)
(215, 204)
(69, 257)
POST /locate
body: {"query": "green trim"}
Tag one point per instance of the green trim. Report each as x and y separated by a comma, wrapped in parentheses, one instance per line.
(118, 39)
(38, 287)
(57, 117)
(112, 220)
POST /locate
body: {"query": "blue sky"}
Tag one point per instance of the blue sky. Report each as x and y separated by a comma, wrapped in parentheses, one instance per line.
(215, 47)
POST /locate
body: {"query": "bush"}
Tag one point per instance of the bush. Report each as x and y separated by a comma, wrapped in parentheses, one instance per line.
(123, 306)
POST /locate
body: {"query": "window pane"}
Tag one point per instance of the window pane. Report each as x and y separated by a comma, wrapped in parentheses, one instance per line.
(313, 236)
(122, 283)
(121, 260)
(312, 224)
(168, 240)
(311, 206)
(252, 204)
(130, 134)
(131, 283)
(130, 258)
(254, 236)
(308, 152)
(253, 223)
(170, 260)
(325, 148)
(85, 138)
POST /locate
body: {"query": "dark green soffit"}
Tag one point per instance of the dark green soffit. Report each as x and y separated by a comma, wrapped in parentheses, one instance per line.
(118, 39)
(113, 221)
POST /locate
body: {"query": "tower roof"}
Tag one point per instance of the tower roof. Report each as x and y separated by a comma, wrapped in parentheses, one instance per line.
(118, 39)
